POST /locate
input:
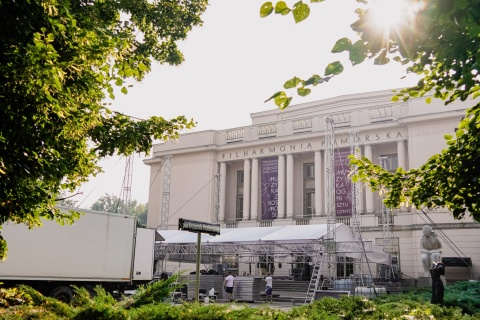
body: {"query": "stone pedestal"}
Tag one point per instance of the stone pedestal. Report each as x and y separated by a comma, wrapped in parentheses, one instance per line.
(424, 282)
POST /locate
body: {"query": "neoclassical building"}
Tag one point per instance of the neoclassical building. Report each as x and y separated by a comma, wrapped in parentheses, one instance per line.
(272, 172)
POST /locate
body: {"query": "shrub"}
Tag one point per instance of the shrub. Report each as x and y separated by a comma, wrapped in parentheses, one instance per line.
(462, 294)
(465, 295)
(23, 312)
(154, 292)
(48, 304)
(81, 298)
(13, 296)
(102, 306)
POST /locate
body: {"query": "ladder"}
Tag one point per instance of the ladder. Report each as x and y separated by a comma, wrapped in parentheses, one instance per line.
(315, 280)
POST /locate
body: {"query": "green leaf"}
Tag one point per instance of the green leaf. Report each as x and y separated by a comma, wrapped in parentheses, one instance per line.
(303, 91)
(124, 90)
(276, 94)
(266, 9)
(142, 67)
(301, 11)
(342, 45)
(292, 83)
(459, 133)
(281, 100)
(313, 80)
(382, 59)
(281, 8)
(334, 68)
(357, 53)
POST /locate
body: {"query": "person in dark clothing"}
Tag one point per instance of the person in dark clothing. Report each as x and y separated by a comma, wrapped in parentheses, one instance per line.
(436, 271)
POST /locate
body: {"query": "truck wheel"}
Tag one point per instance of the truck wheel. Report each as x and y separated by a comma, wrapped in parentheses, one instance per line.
(91, 291)
(63, 293)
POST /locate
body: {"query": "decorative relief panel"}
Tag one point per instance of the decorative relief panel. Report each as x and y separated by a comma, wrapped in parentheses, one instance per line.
(302, 124)
(342, 119)
(235, 134)
(381, 113)
(267, 130)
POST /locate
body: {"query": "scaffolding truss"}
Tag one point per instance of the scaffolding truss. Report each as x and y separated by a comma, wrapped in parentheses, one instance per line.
(331, 246)
(167, 172)
(126, 192)
(386, 229)
(355, 150)
(250, 253)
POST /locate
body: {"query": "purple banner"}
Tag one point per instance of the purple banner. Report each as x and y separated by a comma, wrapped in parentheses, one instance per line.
(269, 172)
(343, 183)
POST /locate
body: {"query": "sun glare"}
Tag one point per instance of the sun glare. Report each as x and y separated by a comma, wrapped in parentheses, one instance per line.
(388, 13)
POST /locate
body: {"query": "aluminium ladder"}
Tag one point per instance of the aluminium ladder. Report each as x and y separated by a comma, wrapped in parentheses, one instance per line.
(315, 280)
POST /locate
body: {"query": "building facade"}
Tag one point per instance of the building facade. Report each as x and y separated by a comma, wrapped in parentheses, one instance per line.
(273, 172)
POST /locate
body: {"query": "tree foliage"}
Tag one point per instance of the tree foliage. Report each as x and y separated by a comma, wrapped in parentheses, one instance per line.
(438, 40)
(113, 204)
(59, 61)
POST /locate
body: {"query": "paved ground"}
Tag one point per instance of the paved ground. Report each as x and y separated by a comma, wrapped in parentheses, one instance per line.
(281, 302)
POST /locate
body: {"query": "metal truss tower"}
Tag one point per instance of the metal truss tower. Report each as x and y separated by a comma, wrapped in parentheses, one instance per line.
(126, 192)
(355, 150)
(386, 229)
(331, 254)
(167, 171)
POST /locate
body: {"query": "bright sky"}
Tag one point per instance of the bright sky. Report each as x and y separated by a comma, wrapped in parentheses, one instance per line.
(233, 63)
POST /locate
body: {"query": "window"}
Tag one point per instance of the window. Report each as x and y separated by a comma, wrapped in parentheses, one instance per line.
(308, 189)
(389, 162)
(309, 203)
(344, 267)
(239, 209)
(309, 170)
(240, 178)
(239, 201)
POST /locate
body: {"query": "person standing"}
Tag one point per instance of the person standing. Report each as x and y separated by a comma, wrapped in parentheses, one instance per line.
(436, 271)
(269, 287)
(228, 286)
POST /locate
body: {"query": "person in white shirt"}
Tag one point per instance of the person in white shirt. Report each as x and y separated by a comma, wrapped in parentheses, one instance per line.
(269, 287)
(228, 286)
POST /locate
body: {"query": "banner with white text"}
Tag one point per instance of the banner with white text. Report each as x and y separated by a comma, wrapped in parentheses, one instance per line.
(269, 173)
(343, 183)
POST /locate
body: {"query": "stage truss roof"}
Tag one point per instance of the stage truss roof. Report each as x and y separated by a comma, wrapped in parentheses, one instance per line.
(248, 244)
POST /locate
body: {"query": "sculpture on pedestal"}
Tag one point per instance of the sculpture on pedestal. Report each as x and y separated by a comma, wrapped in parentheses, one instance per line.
(430, 248)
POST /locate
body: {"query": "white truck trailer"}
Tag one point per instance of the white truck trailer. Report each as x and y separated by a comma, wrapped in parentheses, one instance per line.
(98, 249)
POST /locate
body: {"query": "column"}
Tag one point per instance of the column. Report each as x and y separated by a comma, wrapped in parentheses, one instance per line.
(246, 189)
(223, 190)
(281, 186)
(254, 193)
(290, 186)
(401, 154)
(368, 192)
(318, 183)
